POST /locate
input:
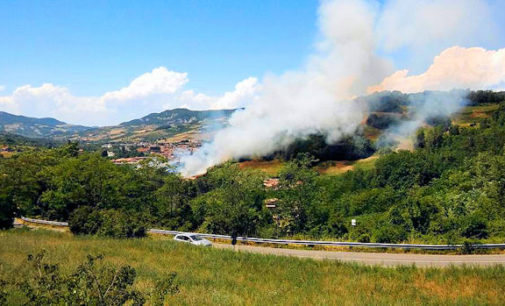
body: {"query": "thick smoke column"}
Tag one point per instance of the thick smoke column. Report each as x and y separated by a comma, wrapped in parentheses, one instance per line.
(318, 99)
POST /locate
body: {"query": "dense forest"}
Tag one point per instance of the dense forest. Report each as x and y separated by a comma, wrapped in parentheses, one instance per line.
(451, 188)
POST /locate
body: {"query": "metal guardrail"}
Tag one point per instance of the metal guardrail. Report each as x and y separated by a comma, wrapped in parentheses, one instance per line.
(54, 223)
(305, 242)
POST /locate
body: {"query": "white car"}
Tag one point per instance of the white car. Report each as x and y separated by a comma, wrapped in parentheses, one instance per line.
(193, 239)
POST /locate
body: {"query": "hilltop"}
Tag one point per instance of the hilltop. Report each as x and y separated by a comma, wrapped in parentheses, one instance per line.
(178, 123)
(182, 123)
(37, 127)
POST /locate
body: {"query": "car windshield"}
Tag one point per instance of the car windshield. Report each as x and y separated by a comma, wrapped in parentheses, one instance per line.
(196, 238)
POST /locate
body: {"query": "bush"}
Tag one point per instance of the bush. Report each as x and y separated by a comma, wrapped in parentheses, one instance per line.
(390, 234)
(381, 121)
(474, 226)
(110, 223)
(7, 211)
(91, 283)
(84, 220)
(115, 223)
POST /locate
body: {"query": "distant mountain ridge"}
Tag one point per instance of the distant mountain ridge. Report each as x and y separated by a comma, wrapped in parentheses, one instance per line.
(179, 122)
(37, 127)
(179, 116)
(154, 126)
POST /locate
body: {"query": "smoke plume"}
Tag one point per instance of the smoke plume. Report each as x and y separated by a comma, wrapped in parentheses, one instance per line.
(316, 99)
(425, 106)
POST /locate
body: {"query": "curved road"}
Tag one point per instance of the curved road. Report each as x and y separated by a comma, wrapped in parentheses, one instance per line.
(383, 259)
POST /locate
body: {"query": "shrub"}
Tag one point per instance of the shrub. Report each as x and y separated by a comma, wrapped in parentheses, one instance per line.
(84, 220)
(381, 121)
(3, 292)
(474, 226)
(390, 234)
(91, 283)
(109, 223)
(7, 211)
(115, 223)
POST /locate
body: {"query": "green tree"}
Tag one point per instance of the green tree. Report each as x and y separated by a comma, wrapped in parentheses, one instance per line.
(296, 192)
(235, 206)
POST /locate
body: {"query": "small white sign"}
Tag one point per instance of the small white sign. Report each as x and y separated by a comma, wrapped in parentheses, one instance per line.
(353, 222)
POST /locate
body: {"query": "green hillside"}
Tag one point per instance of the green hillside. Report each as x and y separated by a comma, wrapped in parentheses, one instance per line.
(37, 127)
(162, 125)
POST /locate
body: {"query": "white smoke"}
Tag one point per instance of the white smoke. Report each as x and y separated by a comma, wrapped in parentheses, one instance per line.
(317, 99)
(423, 107)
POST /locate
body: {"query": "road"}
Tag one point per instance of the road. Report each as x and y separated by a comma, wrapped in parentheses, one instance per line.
(383, 259)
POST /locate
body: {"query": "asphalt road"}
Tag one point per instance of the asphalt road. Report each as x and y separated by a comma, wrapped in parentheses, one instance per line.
(383, 259)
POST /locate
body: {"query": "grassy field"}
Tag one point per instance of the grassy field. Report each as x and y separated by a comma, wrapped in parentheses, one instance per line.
(270, 167)
(339, 167)
(211, 276)
(471, 114)
(336, 167)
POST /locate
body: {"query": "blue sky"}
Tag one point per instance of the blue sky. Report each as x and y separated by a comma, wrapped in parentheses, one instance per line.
(104, 62)
(92, 47)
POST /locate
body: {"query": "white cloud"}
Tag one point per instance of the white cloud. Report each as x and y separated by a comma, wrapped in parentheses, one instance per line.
(2, 87)
(244, 93)
(154, 91)
(49, 100)
(158, 82)
(455, 67)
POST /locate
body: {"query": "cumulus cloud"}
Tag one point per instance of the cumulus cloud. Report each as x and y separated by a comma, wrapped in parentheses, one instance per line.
(2, 87)
(244, 93)
(454, 68)
(154, 91)
(157, 82)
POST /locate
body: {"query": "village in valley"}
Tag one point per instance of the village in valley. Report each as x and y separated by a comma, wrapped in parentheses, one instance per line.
(135, 152)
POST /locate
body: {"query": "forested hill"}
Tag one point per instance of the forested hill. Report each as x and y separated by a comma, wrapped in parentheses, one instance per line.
(179, 116)
(152, 126)
(13, 140)
(180, 122)
(37, 127)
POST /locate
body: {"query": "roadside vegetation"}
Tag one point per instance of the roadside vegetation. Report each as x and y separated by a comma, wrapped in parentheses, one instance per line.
(200, 276)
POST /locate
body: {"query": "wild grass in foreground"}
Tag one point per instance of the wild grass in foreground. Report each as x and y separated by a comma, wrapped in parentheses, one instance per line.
(211, 276)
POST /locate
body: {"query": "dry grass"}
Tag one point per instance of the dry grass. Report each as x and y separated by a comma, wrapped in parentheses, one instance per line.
(271, 167)
(472, 114)
(340, 167)
(211, 276)
(7, 154)
(335, 167)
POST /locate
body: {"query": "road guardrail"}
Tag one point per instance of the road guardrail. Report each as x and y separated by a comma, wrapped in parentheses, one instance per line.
(304, 242)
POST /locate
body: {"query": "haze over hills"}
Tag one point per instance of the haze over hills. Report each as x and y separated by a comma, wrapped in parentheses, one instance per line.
(37, 127)
(153, 126)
